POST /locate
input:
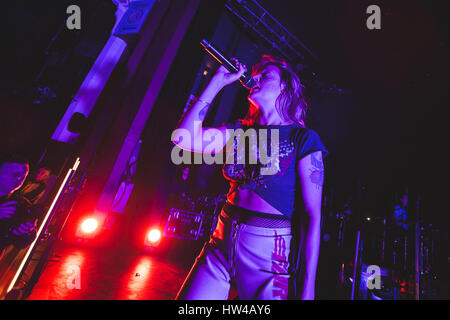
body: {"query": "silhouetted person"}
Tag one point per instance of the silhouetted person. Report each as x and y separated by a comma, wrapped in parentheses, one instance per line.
(17, 226)
(35, 188)
(400, 215)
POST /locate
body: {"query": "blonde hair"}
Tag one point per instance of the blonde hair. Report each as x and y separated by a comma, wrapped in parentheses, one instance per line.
(291, 104)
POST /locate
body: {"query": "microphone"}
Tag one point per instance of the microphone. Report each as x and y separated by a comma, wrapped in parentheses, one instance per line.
(246, 80)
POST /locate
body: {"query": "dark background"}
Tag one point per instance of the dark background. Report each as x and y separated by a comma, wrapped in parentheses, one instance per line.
(40, 52)
(387, 130)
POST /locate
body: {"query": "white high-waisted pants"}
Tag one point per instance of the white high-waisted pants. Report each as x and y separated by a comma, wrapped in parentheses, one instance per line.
(255, 259)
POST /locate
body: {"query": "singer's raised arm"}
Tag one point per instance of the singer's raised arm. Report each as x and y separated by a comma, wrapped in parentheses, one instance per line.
(193, 118)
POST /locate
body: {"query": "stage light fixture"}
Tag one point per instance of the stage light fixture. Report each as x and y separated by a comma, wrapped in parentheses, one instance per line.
(153, 238)
(154, 235)
(89, 225)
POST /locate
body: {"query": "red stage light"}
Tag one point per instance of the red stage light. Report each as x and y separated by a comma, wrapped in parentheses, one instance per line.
(153, 237)
(89, 225)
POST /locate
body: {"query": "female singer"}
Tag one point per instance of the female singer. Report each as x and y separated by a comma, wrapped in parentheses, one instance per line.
(266, 242)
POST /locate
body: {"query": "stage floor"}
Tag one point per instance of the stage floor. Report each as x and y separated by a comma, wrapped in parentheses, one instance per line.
(83, 273)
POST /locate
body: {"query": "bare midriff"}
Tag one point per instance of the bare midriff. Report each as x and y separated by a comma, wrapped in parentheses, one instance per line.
(252, 201)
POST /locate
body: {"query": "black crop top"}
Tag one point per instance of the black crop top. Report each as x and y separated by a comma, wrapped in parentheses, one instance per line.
(277, 184)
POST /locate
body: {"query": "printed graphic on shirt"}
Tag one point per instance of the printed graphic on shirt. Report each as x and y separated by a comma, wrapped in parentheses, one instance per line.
(250, 174)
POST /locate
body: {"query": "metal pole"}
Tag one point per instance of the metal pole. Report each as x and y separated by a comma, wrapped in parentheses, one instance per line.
(416, 251)
(356, 264)
(383, 248)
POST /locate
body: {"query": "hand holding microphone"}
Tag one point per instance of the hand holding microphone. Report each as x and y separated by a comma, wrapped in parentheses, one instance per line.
(228, 72)
(225, 77)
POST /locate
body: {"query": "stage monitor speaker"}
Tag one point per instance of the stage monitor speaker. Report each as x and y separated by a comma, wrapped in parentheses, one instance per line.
(183, 224)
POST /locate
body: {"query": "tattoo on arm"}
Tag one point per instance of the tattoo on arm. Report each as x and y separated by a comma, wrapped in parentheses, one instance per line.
(317, 170)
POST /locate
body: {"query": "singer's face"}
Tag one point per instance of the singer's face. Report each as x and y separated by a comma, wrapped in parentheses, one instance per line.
(268, 87)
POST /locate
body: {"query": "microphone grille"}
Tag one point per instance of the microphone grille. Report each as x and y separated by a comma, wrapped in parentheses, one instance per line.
(248, 82)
